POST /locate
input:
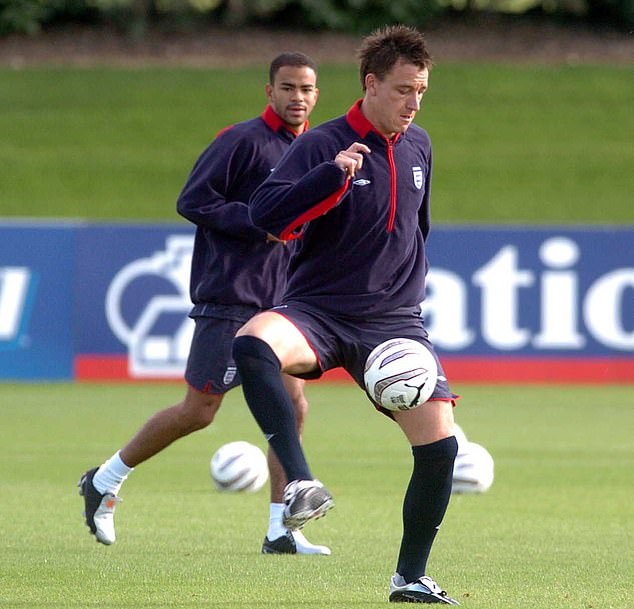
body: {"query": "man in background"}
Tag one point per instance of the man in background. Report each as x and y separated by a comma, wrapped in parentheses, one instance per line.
(237, 271)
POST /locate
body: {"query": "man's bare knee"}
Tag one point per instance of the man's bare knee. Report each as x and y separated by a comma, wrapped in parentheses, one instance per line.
(427, 423)
(198, 409)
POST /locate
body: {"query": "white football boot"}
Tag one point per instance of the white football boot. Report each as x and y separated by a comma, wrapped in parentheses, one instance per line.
(98, 509)
(423, 590)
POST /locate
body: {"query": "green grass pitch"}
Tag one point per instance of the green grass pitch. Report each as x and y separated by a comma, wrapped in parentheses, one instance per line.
(556, 530)
(512, 144)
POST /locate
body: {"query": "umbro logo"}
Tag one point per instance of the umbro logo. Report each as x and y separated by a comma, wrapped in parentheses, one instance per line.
(361, 182)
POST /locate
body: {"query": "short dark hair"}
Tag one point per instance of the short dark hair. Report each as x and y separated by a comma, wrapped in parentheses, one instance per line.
(294, 59)
(384, 47)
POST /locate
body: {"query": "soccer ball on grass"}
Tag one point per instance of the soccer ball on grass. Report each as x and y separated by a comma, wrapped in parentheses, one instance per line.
(239, 467)
(400, 374)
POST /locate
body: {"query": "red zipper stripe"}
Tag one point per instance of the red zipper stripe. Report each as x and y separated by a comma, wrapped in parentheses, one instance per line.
(390, 159)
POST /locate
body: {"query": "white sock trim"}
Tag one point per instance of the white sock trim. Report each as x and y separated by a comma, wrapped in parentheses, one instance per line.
(111, 475)
(276, 528)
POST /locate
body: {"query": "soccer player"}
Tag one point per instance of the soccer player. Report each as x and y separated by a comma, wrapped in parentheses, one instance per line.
(237, 270)
(355, 193)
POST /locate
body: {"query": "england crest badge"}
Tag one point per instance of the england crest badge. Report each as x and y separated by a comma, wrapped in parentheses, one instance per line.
(418, 177)
(230, 374)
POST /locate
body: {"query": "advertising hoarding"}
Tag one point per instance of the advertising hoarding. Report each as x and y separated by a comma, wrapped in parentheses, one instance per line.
(504, 304)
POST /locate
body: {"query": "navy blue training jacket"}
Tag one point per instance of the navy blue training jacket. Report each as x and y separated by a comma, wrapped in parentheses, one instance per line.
(361, 241)
(233, 263)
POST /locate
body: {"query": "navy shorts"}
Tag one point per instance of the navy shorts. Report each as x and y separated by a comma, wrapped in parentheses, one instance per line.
(343, 342)
(210, 366)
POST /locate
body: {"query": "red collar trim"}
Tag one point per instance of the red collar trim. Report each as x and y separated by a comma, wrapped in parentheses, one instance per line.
(275, 123)
(357, 120)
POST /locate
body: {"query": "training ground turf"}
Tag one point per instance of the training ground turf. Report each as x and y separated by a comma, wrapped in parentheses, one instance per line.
(555, 530)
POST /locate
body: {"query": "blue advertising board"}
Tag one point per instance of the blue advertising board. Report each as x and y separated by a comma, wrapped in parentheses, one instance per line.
(531, 292)
(37, 280)
(133, 283)
(110, 301)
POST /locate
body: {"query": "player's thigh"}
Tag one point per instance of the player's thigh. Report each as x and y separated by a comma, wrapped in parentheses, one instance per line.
(284, 338)
(196, 400)
(427, 423)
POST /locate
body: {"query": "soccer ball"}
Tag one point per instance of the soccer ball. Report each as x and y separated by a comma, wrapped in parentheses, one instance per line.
(400, 374)
(239, 467)
(473, 470)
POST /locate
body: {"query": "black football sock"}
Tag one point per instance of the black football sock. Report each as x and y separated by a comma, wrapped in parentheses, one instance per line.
(425, 504)
(269, 403)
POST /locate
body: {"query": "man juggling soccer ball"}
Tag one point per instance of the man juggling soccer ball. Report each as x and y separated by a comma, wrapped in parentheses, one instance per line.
(355, 193)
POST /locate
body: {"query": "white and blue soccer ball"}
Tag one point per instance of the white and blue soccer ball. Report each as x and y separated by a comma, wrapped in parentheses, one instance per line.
(400, 374)
(239, 467)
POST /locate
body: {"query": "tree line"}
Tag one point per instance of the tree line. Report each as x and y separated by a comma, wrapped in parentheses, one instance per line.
(136, 16)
